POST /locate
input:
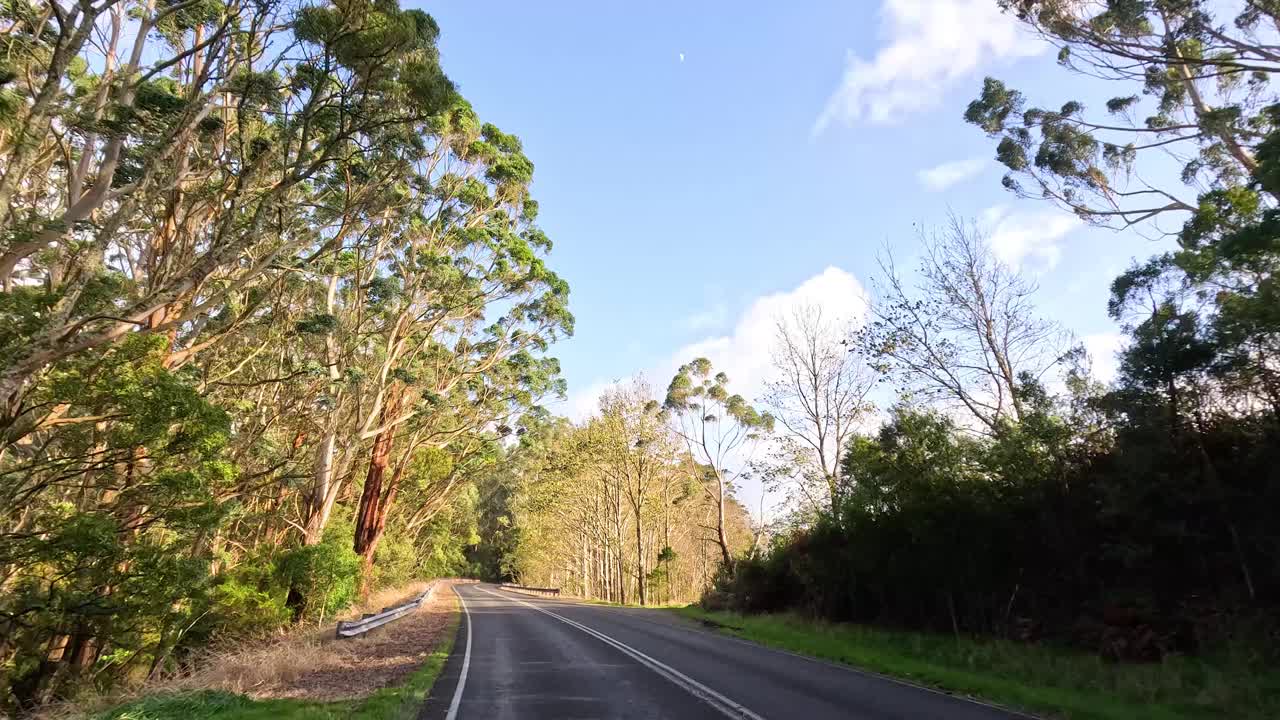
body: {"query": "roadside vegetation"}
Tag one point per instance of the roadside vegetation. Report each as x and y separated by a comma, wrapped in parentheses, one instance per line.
(400, 702)
(1047, 680)
(386, 674)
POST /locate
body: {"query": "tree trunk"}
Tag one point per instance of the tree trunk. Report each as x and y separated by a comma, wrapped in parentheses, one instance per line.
(324, 491)
(371, 513)
(721, 538)
(640, 594)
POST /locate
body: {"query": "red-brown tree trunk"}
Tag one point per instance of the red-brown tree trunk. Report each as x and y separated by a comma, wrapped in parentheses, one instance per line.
(368, 528)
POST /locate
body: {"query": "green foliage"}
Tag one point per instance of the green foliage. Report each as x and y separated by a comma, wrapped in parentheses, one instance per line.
(114, 562)
(326, 574)
(1208, 108)
(1136, 545)
(243, 610)
(695, 390)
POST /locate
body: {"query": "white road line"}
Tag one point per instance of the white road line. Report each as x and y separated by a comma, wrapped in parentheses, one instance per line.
(727, 707)
(466, 662)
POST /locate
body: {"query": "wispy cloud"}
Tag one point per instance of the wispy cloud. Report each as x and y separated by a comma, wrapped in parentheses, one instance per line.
(941, 177)
(1028, 238)
(929, 46)
(708, 319)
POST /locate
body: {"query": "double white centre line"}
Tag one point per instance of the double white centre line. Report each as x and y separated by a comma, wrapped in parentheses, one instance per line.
(726, 706)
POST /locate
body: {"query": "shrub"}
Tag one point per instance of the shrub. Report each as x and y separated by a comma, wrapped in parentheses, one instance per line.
(242, 605)
(323, 578)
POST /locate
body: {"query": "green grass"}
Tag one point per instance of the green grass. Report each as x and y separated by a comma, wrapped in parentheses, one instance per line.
(401, 702)
(1049, 681)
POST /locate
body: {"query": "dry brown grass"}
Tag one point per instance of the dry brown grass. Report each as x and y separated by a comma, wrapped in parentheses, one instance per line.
(316, 665)
(309, 662)
(385, 598)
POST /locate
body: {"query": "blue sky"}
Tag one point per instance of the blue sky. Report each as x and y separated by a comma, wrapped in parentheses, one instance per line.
(790, 140)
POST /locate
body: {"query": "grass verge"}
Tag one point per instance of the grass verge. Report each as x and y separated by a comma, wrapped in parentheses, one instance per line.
(1048, 681)
(399, 702)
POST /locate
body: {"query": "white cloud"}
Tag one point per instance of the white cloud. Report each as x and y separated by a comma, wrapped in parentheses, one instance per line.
(582, 403)
(1023, 238)
(941, 177)
(930, 45)
(1103, 349)
(708, 319)
(745, 353)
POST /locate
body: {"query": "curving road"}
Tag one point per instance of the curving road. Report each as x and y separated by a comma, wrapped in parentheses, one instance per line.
(518, 656)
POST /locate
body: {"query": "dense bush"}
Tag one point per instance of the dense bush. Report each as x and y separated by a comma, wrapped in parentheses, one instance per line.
(245, 602)
(323, 578)
(1127, 548)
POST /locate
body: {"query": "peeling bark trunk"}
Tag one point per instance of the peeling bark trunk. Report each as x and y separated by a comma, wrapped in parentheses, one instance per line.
(372, 506)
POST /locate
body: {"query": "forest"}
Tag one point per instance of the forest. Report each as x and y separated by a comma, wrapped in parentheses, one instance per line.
(277, 329)
(273, 296)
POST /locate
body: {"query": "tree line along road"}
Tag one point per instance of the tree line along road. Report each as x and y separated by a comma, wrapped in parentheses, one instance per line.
(519, 656)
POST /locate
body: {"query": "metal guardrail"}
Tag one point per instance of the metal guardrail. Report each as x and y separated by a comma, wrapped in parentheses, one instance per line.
(353, 628)
(554, 592)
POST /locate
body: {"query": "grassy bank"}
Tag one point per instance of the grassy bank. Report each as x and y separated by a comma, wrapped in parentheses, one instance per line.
(399, 702)
(1044, 680)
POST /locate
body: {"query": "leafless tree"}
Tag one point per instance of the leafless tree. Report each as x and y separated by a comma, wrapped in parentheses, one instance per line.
(818, 395)
(967, 334)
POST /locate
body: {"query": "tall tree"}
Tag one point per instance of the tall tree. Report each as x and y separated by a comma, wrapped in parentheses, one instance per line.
(174, 169)
(636, 451)
(818, 395)
(714, 426)
(1193, 83)
(967, 333)
(1206, 68)
(250, 255)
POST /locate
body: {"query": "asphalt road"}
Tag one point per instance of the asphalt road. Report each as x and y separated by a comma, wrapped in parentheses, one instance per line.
(518, 656)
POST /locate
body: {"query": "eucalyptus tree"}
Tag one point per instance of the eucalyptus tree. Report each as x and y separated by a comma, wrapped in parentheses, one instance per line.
(459, 249)
(1205, 66)
(249, 252)
(1206, 69)
(714, 426)
(567, 497)
(183, 174)
(637, 452)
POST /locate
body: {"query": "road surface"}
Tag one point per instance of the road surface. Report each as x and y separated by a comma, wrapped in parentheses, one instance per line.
(518, 656)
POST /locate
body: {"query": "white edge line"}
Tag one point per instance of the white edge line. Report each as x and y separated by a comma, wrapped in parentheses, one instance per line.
(711, 697)
(466, 662)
